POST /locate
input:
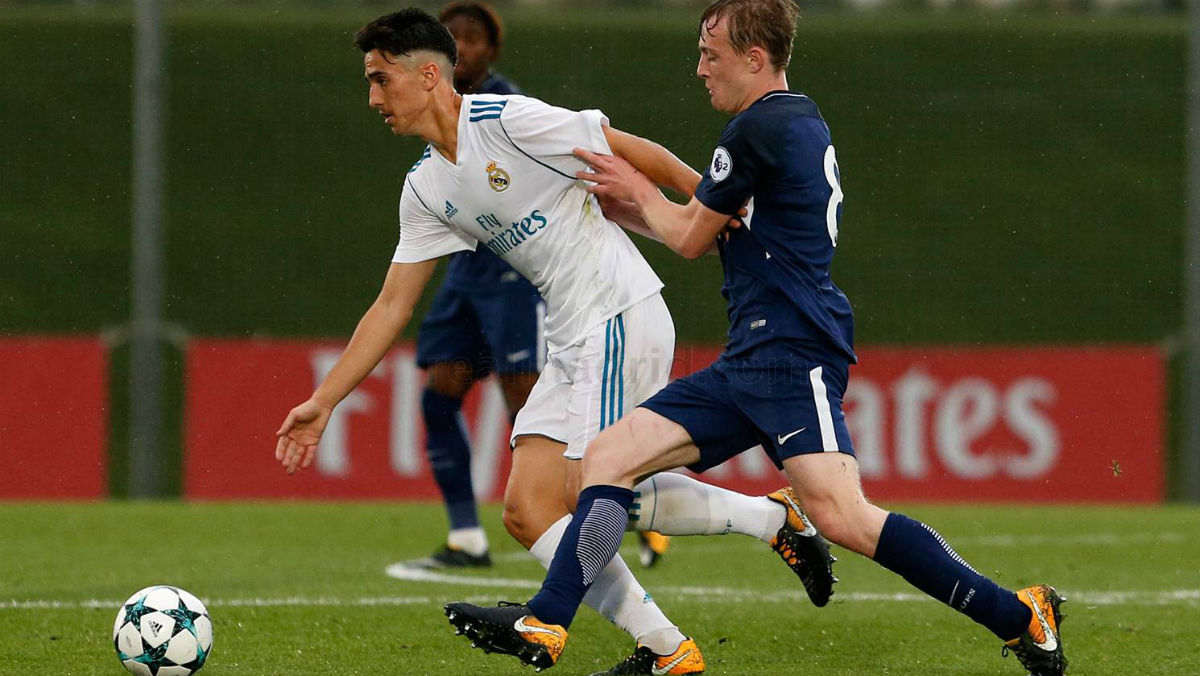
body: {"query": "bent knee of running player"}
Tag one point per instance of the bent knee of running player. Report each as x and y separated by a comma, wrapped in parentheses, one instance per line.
(636, 446)
(534, 497)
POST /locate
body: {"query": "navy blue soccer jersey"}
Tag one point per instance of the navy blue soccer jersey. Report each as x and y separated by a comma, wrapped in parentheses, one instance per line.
(776, 159)
(472, 271)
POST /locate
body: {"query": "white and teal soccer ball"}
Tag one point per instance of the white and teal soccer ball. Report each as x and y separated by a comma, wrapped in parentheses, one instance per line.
(163, 631)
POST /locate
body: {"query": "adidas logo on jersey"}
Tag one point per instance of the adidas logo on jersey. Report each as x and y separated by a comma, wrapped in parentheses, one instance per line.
(450, 209)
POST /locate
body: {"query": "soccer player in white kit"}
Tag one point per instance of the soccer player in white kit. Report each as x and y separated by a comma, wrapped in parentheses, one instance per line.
(499, 172)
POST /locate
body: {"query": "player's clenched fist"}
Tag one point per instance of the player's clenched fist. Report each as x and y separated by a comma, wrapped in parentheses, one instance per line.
(299, 435)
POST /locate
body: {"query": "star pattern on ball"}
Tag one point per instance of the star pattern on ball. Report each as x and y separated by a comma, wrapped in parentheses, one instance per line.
(135, 611)
(185, 618)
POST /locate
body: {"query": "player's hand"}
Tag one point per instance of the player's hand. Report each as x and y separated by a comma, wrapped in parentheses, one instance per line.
(617, 210)
(611, 176)
(298, 436)
(736, 222)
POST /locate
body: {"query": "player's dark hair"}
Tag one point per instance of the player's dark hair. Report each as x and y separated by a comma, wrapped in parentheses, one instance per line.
(770, 24)
(480, 12)
(407, 31)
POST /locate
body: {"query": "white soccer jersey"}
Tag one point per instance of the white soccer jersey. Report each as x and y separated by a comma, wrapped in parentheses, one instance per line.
(514, 191)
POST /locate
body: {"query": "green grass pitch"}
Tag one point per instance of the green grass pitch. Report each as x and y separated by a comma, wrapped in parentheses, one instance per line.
(302, 589)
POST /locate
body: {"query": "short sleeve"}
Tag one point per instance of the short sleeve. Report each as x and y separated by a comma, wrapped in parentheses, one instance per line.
(424, 236)
(733, 171)
(549, 133)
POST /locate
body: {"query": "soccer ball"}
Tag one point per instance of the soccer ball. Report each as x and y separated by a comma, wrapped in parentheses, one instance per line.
(162, 631)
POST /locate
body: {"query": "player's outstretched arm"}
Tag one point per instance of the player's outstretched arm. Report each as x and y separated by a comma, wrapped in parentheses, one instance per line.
(653, 160)
(689, 229)
(377, 330)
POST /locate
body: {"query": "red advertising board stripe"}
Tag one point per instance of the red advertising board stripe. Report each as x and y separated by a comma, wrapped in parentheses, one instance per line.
(1035, 425)
(53, 418)
(1069, 424)
(1042, 424)
(238, 393)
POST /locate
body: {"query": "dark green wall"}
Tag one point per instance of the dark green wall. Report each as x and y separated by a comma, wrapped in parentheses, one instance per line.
(1008, 179)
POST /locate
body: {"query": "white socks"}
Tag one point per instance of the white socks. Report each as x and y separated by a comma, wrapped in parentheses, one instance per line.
(618, 596)
(674, 504)
(470, 540)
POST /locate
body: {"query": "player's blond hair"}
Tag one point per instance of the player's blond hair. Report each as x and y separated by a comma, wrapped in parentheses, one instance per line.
(770, 24)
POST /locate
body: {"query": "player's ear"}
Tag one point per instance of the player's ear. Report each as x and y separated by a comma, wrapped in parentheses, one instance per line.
(431, 74)
(756, 59)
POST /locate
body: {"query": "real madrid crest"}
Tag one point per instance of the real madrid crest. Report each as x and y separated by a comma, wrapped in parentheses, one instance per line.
(498, 178)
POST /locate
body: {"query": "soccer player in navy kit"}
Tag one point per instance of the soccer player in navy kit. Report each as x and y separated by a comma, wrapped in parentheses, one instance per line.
(486, 318)
(781, 378)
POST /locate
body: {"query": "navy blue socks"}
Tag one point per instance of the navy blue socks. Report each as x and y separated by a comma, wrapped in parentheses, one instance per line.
(450, 457)
(589, 543)
(918, 554)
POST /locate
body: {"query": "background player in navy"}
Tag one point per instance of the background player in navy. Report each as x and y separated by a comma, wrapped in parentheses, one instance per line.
(781, 378)
(485, 318)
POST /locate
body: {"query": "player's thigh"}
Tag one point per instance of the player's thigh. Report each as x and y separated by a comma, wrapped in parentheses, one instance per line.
(701, 405)
(636, 446)
(623, 362)
(535, 496)
(516, 388)
(539, 471)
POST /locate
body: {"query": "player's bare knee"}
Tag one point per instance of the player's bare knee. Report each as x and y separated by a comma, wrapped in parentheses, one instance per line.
(841, 520)
(520, 523)
(825, 516)
(606, 462)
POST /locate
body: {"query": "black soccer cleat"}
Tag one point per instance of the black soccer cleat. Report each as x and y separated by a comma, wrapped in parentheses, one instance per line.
(803, 549)
(511, 629)
(686, 660)
(451, 557)
(1039, 648)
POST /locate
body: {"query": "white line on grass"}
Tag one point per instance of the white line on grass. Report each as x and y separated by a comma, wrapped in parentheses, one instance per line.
(400, 571)
(706, 594)
(701, 544)
(235, 603)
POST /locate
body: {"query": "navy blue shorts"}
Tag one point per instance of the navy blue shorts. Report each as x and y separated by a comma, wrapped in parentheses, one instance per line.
(790, 407)
(497, 331)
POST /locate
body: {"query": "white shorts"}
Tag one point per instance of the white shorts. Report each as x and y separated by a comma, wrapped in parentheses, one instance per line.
(591, 384)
